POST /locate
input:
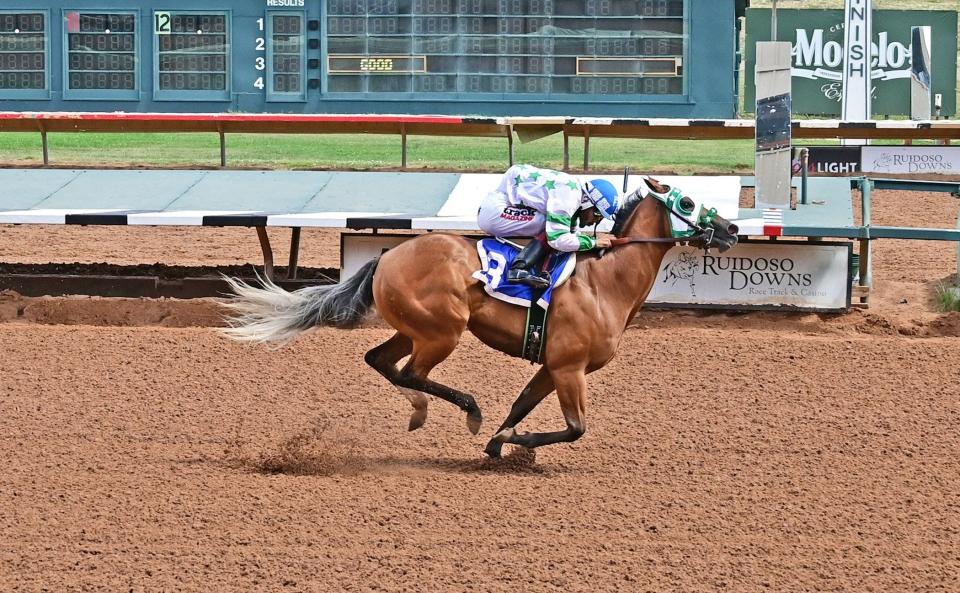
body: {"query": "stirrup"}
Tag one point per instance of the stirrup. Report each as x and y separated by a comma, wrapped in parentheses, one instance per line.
(528, 278)
(527, 261)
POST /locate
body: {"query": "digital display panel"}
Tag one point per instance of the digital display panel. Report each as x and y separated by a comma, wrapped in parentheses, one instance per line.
(23, 51)
(101, 51)
(557, 47)
(192, 51)
(287, 53)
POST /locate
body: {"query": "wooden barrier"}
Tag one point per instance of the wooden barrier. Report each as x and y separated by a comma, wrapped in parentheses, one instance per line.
(255, 123)
(444, 125)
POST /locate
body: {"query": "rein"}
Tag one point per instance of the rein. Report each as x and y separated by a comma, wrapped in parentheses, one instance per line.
(704, 233)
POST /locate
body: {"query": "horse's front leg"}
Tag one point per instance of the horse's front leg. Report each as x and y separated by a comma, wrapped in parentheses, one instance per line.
(571, 384)
(538, 388)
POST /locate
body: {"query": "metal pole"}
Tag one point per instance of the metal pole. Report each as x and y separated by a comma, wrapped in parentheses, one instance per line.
(586, 148)
(566, 151)
(510, 145)
(46, 147)
(804, 162)
(773, 22)
(223, 148)
(294, 253)
(866, 265)
(403, 146)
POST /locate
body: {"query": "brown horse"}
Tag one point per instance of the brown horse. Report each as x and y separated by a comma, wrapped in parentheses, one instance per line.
(424, 289)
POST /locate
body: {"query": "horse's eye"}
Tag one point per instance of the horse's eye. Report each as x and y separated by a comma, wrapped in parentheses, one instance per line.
(686, 205)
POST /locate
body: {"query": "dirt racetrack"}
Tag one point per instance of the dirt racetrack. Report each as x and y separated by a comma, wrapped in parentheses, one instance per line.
(141, 451)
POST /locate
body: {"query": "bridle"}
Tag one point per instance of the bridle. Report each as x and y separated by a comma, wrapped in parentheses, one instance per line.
(701, 232)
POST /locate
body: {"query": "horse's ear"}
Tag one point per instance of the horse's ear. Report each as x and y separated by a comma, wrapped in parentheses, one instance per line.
(655, 185)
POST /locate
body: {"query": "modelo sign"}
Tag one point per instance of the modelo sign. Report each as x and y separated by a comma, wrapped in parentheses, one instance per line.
(757, 275)
(817, 72)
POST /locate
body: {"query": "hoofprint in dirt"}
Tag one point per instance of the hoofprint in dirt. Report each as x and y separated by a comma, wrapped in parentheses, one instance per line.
(140, 458)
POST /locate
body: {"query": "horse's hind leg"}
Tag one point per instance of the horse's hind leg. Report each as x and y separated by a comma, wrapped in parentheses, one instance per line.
(539, 387)
(384, 359)
(412, 380)
(427, 354)
(572, 392)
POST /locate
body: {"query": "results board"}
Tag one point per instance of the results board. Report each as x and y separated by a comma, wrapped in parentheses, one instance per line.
(602, 58)
(624, 47)
(23, 51)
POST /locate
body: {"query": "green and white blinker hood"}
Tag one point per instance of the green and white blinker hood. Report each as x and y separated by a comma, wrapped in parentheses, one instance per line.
(686, 213)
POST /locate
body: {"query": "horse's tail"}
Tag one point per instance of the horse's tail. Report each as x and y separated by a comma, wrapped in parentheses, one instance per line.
(271, 314)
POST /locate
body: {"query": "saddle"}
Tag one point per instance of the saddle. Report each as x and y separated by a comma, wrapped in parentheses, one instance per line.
(496, 255)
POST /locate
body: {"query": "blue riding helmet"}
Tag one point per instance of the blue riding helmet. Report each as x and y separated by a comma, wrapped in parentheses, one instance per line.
(602, 195)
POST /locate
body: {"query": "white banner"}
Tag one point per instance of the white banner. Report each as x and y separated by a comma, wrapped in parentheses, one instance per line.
(762, 274)
(911, 159)
(767, 274)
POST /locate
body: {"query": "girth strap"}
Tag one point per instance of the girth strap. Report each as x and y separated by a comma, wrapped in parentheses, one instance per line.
(535, 332)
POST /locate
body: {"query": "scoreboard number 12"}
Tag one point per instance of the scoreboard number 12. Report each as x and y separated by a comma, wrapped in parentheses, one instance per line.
(161, 23)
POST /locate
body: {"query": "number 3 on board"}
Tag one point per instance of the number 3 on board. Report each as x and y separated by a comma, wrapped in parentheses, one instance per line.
(161, 23)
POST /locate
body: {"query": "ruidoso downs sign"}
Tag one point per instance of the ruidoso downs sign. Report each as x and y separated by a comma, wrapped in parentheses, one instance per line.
(817, 72)
(753, 275)
(911, 159)
(757, 275)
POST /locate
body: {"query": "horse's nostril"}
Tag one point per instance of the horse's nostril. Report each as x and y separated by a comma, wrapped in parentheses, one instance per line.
(733, 229)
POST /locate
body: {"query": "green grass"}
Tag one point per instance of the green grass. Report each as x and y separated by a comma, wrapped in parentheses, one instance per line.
(341, 151)
(948, 298)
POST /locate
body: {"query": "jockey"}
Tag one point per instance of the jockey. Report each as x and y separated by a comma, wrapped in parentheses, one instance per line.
(549, 206)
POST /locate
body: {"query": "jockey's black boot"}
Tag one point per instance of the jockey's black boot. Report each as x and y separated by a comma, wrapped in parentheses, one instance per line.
(525, 269)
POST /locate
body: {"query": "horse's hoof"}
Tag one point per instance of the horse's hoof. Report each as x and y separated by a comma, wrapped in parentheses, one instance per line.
(493, 449)
(417, 419)
(474, 422)
(505, 435)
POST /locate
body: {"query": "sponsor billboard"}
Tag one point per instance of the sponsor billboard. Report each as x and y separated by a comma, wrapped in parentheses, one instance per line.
(911, 159)
(757, 275)
(817, 37)
(829, 160)
(753, 275)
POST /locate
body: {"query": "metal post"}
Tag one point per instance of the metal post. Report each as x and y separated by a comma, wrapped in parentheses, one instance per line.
(566, 151)
(223, 149)
(866, 265)
(586, 148)
(46, 147)
(773, 22)
(403, 146)
(294, 253)
(510, 145)
(805, 163)
(267, 252)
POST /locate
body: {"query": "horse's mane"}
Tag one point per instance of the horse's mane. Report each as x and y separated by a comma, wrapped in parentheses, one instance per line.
(625, 212)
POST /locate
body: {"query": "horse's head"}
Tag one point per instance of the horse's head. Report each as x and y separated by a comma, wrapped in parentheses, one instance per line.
(690, 219)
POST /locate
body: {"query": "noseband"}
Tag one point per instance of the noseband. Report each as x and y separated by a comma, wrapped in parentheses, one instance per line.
(701, 232)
